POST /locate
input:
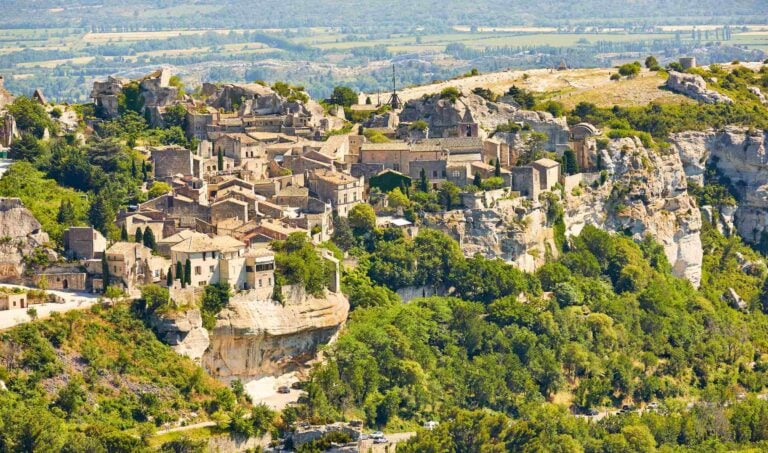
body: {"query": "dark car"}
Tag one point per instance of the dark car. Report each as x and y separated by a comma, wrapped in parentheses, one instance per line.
(283, 389)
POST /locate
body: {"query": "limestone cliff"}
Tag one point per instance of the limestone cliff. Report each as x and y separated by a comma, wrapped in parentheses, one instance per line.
(644, 193)
(741, 156)
(183, 331)
(514, 230)
(20, 235)
(253, 339)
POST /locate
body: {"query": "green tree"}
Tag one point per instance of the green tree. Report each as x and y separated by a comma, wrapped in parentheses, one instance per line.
(124, 233)
(651, 62)
(139, 236)
(188, 272)
(570, 164)
(477, 181)
(169, 277)
(179, 272)
(102, 214)
(31, 117)
(149, 239)
(158, 188)
(449, 195)
(28, 148)
(423, 181)
(344, 96)
(66, 214)
(220, 160)
(497, 168)
(105, 275)
(362, 219)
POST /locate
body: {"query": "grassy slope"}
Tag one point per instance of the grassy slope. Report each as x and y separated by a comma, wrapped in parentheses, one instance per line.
(127, 375)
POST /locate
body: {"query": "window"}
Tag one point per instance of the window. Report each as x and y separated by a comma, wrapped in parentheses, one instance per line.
(210, 269)
(434, 173)
(260, 285)
(456, 174)
(198, 270)
(269, 281)
(205, 255)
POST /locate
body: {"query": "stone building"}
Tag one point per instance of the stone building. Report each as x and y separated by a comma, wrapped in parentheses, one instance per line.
(584, 145)
(13, 301)
(129, 265)
(549, 172)
(260, 273)
(168, 161)
(341, 190)
(229, 208)
(220, 259)
(63, 278)
(105, 96)
(526, 181)
(84, 243)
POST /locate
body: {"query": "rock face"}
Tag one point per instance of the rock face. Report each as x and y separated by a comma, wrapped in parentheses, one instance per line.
(183, 331)
(257, 339)
(742, 157)
(645, 194)
(20, 235)
(444, 116)
(514, 230)
(694, 86)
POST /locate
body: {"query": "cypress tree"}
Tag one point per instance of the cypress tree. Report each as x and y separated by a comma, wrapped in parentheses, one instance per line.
(149, 239)
(497, 170)
(169, 277)
(139, 236)
(477, 182)
(179, 271)
(105, 271)
(124, 234)
(423, 183)
(188, 272)
(220, 159)
(133, 168)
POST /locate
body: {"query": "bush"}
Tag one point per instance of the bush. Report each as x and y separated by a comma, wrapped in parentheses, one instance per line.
(450, 93)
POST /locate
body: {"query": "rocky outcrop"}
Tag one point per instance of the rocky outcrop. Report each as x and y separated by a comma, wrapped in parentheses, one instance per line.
(256, 339)
(183, 331)
(20, 235)
(514, 230)
(444, 116)
(741, 156)
(694, 86)
(645, 194)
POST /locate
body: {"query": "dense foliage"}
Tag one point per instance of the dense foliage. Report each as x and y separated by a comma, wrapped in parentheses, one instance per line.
(96, 381)
(604, 326)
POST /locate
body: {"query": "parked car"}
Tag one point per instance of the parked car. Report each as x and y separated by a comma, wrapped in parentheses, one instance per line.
(283, 389)
(377, 435)
(380, 440)
(653, 405)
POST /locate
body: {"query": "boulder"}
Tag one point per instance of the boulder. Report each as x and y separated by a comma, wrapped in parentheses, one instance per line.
(694, 86)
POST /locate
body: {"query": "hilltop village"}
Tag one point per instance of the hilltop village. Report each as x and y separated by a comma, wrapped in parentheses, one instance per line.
(241, 224)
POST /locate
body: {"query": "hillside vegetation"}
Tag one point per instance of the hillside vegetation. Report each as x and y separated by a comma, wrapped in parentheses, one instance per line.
(506, 364)
(100, 380)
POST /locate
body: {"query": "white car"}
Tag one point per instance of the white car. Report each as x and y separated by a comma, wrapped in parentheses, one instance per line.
(380, 440)
(377, 435)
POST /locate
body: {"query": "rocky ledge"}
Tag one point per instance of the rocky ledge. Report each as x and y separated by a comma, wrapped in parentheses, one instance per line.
(253, 339)
(694, 86)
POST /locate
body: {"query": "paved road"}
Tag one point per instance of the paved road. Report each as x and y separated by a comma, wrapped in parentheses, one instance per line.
(391, 446)
(73, 301)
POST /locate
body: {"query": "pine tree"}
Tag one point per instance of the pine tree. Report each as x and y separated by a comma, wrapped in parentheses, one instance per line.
(139, 238)
(188, 272)
(220, 159)
(423, 183)
(66, 214)
(477, 182)
(149, 239)
(497, 170)
(105, 271)
(169, 277)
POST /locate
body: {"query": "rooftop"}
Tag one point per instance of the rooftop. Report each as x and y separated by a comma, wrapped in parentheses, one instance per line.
(207, 244)
(546, 163)
(386, 146)
(333, 177)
